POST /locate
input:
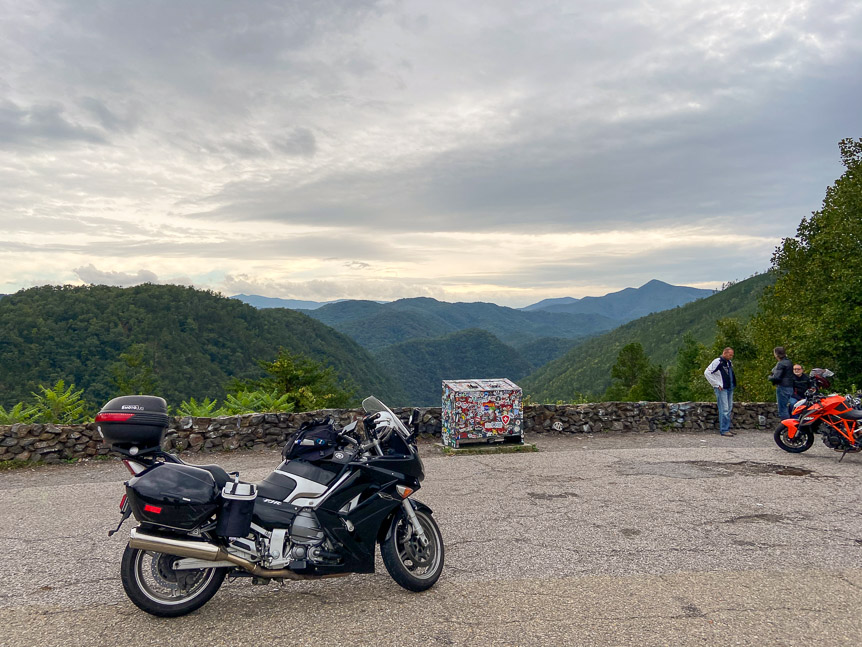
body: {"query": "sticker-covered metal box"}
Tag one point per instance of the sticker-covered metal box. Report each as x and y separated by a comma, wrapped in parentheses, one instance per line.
(481, 411)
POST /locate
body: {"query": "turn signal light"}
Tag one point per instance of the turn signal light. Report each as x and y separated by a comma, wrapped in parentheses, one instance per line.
(403, 491)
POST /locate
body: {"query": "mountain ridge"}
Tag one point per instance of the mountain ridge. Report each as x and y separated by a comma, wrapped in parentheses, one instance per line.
(376, 325)
(586, 368)
(627, 304)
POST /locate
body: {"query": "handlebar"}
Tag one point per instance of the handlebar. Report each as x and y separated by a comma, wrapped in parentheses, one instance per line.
(350, 439)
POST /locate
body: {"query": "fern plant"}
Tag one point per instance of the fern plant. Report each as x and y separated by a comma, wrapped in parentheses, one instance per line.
(206, 408)
(19, 413)
(59, 404)
(257, 402)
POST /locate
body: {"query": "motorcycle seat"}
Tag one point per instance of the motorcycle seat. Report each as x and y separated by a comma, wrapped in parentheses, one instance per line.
(853, 414)
(221, 477)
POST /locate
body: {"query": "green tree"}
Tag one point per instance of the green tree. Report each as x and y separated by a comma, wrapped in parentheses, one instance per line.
(751, 383)
(631, 362)
(133, 372)
(652, 385)
(300, 381)
(686, 377)
(630, 368)
(815, 307)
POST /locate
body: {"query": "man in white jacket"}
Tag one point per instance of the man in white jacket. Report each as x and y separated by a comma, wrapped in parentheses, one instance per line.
(720, 375)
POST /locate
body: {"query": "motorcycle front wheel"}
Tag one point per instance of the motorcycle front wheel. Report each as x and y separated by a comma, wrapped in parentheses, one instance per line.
(154, 586)
(801, 442)
(412, 565)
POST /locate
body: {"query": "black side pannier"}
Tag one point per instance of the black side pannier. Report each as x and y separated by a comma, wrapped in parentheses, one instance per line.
(314, 440)
(173, 495)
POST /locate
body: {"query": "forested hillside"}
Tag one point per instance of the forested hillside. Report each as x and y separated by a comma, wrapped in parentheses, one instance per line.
(420, 365)
(545, 349)
(191, 342)
(376, 325)
(586, 369)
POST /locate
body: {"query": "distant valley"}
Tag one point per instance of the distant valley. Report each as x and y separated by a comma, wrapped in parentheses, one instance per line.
(195, 342)
(420, 341)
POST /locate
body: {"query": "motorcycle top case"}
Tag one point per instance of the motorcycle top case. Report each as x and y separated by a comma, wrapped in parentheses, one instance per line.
(173, 495)
(133, 424)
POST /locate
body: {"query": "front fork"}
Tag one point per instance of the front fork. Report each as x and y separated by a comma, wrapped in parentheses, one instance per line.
(414, 521)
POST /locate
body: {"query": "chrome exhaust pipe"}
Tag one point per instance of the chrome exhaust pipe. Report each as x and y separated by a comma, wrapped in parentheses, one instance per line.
(178, 547)
(211, 553)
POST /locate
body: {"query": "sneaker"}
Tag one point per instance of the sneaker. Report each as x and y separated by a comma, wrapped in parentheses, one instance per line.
(727, 433)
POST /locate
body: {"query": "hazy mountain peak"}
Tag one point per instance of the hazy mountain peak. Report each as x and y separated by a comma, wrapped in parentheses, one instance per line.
(626, 304)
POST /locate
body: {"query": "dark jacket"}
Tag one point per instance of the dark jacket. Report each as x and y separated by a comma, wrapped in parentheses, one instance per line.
(782, 374)
(800, 385)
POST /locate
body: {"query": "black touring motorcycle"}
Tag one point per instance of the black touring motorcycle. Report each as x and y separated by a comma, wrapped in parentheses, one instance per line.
(320, 514)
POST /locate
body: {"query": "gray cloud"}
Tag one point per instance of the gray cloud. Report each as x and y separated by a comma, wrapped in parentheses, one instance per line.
(169, 128)
(40, 125)
(93, 276)
(299, 142)
(89, 274)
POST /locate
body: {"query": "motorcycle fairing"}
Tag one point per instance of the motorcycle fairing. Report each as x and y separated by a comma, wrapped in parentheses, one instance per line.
(792, 427)
(357, 531)
(271, 514)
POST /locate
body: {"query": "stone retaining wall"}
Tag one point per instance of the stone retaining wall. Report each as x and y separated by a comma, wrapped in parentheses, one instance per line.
(53, 443)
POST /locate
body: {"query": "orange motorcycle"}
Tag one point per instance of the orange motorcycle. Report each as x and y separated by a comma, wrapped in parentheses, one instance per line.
(836, 417)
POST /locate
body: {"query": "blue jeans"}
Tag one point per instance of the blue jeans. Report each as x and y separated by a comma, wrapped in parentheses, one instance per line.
(725, 406)
(793, 401)
(782, 397)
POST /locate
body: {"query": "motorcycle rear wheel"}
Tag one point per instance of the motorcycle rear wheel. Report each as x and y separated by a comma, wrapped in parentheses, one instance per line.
(413, 566)
(153, 586)
(801, 442)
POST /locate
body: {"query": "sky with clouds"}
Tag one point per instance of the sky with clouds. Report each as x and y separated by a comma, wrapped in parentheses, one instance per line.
(485, 151)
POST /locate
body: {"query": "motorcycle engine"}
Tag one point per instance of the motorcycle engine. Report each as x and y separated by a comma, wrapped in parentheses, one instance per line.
(307, 539)
(833, 439)
(305, 529)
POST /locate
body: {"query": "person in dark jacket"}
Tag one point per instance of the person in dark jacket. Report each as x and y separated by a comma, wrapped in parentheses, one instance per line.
(801, 383)
(782, 378)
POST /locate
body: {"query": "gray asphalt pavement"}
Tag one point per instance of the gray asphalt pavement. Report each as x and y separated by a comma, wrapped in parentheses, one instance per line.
(655, 539)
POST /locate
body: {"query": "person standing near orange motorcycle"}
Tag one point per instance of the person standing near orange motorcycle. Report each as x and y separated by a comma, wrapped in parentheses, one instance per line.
(720, 376)
(801, 383)
(782, 378)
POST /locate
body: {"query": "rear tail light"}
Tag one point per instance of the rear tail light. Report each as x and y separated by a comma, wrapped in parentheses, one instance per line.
(113, 417)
